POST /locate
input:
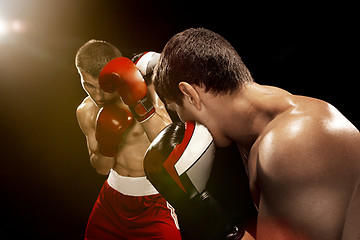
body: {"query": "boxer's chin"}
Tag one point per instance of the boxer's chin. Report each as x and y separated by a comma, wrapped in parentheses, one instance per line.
(100, 104)
(222, 144)
(222, 141)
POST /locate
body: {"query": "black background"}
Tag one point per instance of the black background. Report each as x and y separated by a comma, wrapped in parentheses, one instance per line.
(47, 184)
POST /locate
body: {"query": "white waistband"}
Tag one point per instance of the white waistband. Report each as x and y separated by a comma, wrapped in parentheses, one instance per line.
(131, 186)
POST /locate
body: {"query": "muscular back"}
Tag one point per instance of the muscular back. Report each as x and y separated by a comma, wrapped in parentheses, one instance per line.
(305, 173)
(129, 159)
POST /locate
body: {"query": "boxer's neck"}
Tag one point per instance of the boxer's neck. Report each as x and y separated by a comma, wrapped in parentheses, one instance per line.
(244, 115)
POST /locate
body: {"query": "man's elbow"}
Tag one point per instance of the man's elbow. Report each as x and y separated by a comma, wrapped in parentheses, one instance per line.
(102, 165)
(102, 171)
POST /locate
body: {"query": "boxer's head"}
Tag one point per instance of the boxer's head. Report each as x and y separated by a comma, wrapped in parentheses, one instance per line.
(89, 61)
(201, 58)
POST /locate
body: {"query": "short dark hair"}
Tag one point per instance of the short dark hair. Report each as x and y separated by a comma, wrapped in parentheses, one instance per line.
(94, 55)
(202, 57)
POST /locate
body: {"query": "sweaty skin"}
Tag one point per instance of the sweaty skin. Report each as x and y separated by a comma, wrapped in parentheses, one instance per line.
(135, 140)
(301, 154)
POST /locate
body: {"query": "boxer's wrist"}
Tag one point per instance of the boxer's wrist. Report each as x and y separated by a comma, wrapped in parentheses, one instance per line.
(143, 109)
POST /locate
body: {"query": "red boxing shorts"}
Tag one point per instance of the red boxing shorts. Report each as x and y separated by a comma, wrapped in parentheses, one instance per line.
(131, 208)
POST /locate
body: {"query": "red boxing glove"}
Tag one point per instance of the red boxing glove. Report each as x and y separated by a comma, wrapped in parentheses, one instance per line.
(122, 75)
(111, 123)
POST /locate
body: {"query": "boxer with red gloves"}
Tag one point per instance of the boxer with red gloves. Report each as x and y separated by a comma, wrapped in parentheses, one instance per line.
(128, 206)
(123, 76)
(178, 163)
(112, 121)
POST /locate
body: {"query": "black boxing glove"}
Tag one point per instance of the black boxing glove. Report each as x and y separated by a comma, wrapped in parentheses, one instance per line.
(178, 163)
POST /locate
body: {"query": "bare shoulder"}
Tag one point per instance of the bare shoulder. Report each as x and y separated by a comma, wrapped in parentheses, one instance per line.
(313, 137)
(307, 168)
(86, 114)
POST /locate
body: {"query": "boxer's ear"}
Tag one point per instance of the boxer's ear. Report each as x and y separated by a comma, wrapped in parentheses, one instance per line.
(191, 95)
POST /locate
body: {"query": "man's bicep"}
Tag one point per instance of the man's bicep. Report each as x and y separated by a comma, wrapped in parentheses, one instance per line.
(88, 129)
(273, 223)
(300, 192)
(92, 143)
(302, 212)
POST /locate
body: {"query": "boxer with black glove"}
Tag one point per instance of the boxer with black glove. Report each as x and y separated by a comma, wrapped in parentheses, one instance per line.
(178, 163)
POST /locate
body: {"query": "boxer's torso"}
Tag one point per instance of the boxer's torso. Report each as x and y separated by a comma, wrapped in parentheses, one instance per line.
(129, 159)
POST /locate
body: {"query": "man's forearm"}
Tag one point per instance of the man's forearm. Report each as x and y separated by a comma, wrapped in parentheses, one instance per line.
(101, 163)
